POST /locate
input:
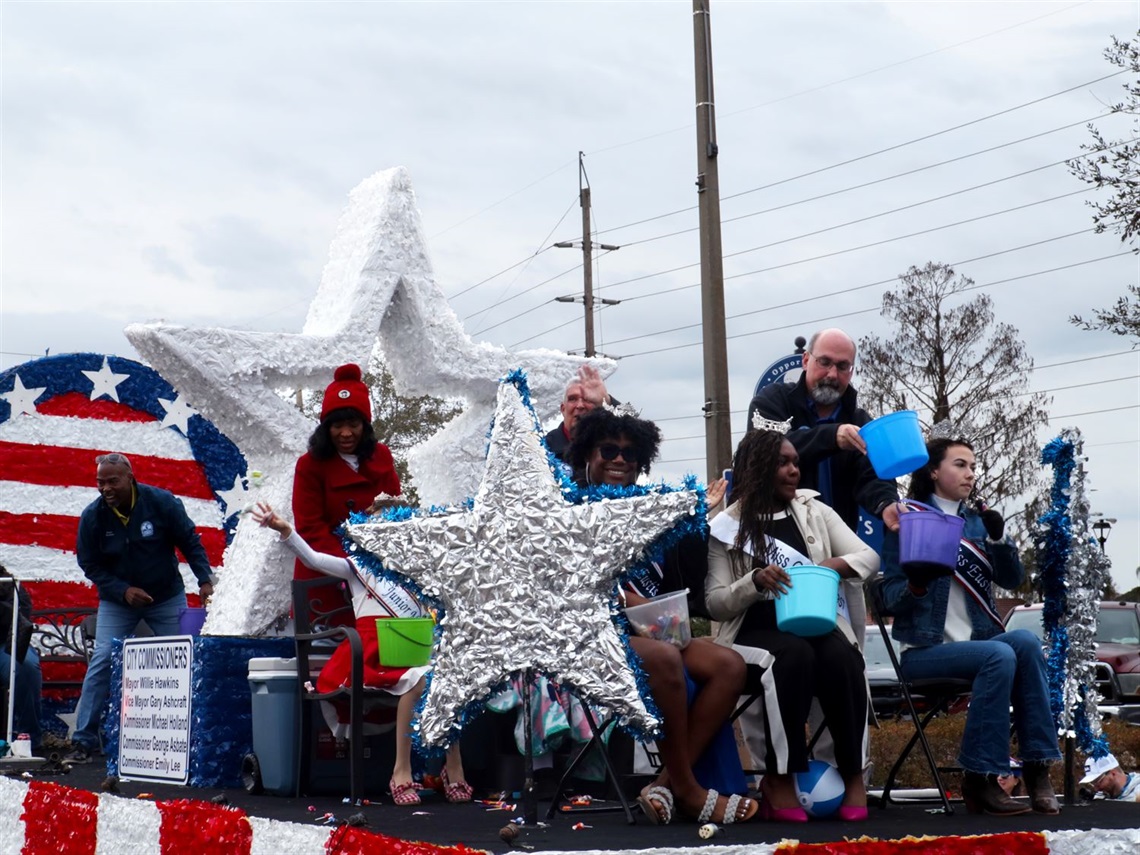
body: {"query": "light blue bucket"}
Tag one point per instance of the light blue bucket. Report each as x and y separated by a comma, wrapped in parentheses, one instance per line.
(894, 444)
(809, 606)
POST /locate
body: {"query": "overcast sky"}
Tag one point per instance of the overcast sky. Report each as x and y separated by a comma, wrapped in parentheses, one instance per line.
(188, 162)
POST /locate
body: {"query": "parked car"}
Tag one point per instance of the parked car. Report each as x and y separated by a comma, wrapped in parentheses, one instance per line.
(886, 696)
(1117, 648)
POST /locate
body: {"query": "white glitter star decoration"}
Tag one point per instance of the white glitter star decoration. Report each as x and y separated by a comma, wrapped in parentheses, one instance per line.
(525, 577)
(21, 399)
(105, 381)
(378, 285)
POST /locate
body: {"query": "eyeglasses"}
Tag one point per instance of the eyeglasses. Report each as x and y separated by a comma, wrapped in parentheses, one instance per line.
(827, 364)
(609, 451)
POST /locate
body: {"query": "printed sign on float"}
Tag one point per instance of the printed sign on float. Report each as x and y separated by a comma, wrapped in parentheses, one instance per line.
(154, 730)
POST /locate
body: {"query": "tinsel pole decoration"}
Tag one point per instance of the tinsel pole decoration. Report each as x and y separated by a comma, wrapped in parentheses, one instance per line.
(1072, 572)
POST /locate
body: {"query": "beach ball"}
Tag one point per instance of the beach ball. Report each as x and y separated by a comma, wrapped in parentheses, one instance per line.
(819, 789)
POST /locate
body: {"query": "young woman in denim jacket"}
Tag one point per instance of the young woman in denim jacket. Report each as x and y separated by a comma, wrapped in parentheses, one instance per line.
(947, 625)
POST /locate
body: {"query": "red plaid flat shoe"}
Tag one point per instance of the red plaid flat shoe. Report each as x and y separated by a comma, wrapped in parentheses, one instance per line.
(404, 794)
(455, 793)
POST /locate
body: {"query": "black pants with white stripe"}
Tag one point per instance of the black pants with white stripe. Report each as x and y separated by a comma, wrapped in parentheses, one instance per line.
(828, 667)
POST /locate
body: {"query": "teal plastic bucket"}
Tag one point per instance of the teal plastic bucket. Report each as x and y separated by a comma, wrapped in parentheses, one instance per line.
(809, 606)
(928, 536)
(894, 444)
(190, 620)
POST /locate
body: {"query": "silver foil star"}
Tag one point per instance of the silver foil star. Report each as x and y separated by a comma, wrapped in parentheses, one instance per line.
(526, 579)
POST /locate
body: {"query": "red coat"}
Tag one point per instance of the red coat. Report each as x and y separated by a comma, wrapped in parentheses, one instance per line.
(325, 492)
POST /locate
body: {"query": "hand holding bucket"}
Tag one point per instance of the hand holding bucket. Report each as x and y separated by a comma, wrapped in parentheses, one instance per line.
(810, 606)
(894, 444)
(928, 541)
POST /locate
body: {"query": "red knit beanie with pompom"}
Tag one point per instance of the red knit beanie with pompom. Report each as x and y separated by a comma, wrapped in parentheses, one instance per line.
(347, 390)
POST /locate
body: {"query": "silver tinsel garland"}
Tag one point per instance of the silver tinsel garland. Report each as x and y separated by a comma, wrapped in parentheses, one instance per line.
(1073, 571)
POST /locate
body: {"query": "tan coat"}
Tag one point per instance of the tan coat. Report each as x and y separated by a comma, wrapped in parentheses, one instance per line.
(729, 590)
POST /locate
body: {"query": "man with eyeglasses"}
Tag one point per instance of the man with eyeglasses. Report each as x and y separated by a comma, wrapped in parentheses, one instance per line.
(125, 546)
(1104, 775)
(825, 417)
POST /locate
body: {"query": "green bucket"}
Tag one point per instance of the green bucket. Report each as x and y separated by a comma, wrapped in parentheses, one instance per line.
(405, 642)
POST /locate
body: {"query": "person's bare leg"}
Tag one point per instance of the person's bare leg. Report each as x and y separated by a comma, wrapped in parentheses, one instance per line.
(719, 672)
(662, 664)
(856, 790)
(454, 764)
(780, 791)
(402, 770)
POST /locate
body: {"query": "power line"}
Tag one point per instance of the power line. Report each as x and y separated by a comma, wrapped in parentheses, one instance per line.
(887, 178)
(839, 251)
(925, 137)
(665, 439)
(527, 291)
(1084, 359)
(500, 273)
(817, 198)
(501, 201)
(823, 196)
(869, 155)
(851, 314)
(1094, 412)
(543, 246)
(837, 293)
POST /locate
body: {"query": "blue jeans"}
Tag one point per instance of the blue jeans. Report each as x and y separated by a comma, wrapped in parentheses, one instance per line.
(26, 704)
(113, 622)
(1006, 669)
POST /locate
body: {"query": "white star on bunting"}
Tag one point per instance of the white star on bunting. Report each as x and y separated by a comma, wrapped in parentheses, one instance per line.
(22, 399)
(234, 498)
(178, 414)
(105, 381)
(526, 578)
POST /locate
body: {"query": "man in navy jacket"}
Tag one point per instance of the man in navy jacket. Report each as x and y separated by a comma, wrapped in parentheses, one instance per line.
(825, 420)
(126, 544)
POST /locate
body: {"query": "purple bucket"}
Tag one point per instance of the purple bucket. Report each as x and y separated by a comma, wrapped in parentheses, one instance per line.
(928, 536)
(190, 620)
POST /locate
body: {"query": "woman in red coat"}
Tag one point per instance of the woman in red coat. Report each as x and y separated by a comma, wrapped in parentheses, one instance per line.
(344, 470)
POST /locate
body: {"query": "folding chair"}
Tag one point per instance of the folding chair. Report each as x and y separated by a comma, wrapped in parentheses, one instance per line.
(317, 605)
(938, 693)
(757, 677)
(597, 734)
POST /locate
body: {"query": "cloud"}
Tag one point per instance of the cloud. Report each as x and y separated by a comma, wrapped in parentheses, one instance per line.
(161, 262)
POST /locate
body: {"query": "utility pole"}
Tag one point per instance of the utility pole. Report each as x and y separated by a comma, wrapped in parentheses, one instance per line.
(587, 258)
(718, 431)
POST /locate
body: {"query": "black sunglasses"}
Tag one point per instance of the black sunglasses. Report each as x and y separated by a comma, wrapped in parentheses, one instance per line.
(609, 451)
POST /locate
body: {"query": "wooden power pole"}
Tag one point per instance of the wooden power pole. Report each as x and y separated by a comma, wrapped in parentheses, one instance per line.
(718, 430)
(587, 259)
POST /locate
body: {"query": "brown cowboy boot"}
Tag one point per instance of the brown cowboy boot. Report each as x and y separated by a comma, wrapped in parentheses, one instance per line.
(1040, 788)
(983, 794)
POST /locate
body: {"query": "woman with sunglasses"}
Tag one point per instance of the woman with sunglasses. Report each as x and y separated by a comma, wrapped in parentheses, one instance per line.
(610, 449)
(770, 525)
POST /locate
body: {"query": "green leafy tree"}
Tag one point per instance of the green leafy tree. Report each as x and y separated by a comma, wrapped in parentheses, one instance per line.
(400, 422)
(1113, 165)
(948, 359)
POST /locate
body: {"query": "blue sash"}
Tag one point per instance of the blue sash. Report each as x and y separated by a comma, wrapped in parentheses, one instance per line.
(976, 574)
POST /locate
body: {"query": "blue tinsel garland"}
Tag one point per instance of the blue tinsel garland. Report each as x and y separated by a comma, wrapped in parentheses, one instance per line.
(1072, 700)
